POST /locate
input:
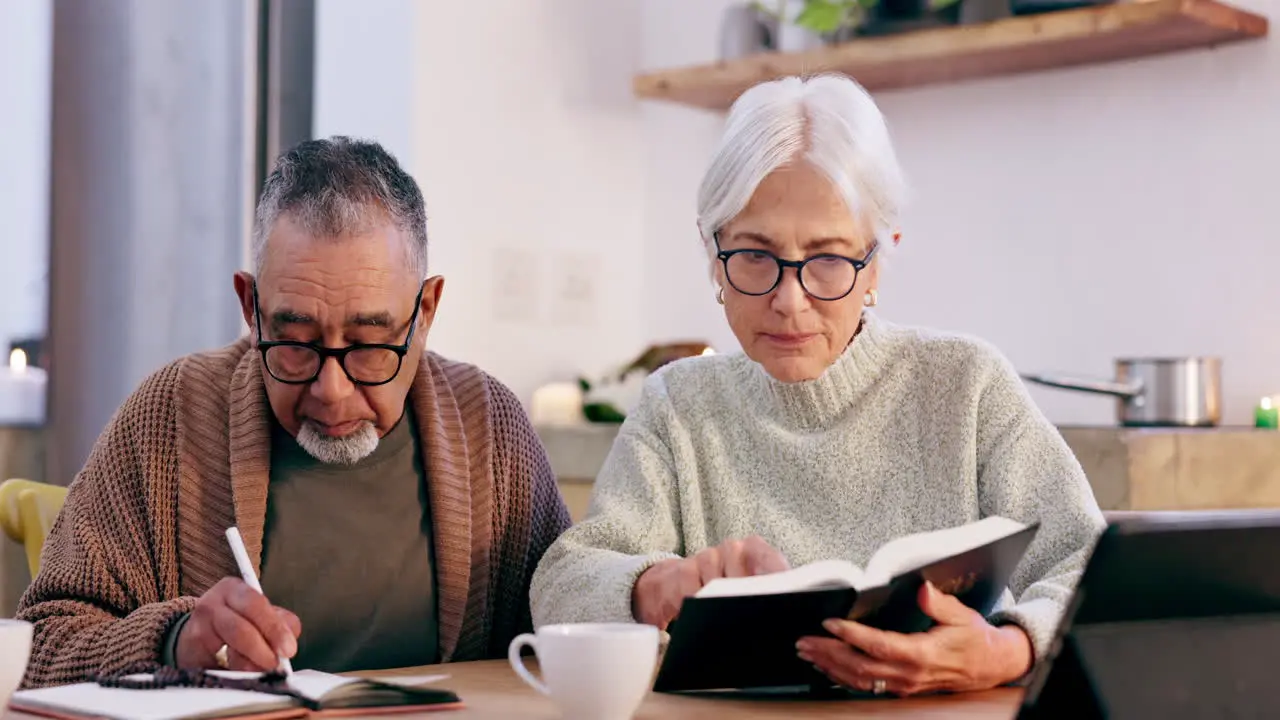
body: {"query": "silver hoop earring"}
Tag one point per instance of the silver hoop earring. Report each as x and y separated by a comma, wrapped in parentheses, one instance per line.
(720, 296)
(871, 298)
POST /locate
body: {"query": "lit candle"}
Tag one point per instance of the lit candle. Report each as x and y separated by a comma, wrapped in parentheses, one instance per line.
(22, 392)
(1266, 415)
(557, 403)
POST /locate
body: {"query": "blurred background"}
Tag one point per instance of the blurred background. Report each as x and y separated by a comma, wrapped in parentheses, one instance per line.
(1070, 207)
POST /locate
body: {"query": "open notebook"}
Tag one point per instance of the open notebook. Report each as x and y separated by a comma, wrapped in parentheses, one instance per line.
(329, 695)
(741, 632)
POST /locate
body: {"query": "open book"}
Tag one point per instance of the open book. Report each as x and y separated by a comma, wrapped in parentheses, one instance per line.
(741, 632)
(327, 694)
(895, 556)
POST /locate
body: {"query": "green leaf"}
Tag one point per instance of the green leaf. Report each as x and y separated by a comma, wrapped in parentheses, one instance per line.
(603, 413)
(821, 16)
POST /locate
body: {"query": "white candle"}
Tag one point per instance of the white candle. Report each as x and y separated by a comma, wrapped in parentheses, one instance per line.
(557, 404)
(22, 392)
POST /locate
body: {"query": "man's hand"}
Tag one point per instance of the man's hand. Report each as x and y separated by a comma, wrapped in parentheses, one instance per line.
(231, 613)
(962, 652)
(659, 591)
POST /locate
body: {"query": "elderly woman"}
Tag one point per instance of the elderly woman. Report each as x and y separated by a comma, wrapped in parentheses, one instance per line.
(833, 431)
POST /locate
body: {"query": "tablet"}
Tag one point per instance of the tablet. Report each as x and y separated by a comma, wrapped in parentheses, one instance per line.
(1173, 617)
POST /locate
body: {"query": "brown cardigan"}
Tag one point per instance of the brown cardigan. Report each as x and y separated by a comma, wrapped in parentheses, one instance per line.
(187, 455)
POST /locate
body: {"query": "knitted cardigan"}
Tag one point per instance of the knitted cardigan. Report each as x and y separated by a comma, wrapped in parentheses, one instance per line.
(187, 455)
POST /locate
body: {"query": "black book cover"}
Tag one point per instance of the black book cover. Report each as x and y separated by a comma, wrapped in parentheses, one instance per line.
(750, 641)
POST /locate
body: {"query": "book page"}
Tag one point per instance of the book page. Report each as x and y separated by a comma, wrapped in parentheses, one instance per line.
(411, 681)
(316, 685)
(174, 703)
(311, 683)
(814, 576)
(321, 685)
(912, 551)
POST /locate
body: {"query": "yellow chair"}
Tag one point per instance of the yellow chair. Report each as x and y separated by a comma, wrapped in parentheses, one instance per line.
(27, 511)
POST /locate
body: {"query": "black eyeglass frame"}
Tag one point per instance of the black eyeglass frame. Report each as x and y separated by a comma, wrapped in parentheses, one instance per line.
(340, 353)
(858, 266)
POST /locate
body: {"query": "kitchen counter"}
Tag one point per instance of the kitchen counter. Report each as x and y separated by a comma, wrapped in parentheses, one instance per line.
(1179, 469)
(576, 453)
(1129, 468)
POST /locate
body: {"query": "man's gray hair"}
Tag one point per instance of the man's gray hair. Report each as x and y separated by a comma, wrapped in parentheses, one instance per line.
(828, 121)
(339, 186)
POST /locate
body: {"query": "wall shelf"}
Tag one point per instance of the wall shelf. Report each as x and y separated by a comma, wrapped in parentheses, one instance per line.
(1001, 47)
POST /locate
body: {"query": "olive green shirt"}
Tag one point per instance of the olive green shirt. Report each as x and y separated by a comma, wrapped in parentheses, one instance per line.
(349, 550)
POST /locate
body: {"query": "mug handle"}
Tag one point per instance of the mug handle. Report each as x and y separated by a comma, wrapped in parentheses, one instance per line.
(517, 664)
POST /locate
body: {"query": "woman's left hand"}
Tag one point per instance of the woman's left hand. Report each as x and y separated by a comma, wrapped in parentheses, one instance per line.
(962, 652)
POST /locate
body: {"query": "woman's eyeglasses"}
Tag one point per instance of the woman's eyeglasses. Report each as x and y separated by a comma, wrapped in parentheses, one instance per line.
(823, 277)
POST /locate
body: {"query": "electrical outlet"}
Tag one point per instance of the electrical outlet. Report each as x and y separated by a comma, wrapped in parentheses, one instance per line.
(573, 291)
(516, 285)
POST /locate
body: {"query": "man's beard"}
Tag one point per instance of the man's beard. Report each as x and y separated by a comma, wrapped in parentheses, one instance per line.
(345, 450)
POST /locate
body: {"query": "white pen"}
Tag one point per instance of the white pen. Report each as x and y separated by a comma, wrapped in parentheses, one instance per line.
(250, 577)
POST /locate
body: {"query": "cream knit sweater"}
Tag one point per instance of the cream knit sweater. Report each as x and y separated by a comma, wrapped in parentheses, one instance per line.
(909, 430)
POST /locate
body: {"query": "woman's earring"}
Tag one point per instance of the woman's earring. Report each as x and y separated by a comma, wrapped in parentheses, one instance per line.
(720, 296)
(871, 298)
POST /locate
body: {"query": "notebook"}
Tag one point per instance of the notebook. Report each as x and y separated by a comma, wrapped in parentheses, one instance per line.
(740, 633)
(331, 695)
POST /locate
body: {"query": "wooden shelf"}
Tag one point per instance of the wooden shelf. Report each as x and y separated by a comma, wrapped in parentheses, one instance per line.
(1002, 47)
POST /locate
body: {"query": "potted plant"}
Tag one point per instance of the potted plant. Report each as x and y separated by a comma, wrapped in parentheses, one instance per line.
(886, 17)
(840, 20)
(783, 31)
(608, 398)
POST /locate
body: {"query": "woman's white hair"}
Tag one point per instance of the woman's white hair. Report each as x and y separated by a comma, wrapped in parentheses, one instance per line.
(829, 121)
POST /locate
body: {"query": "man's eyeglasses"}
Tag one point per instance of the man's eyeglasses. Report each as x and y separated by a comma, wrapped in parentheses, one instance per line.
(823, 277)
(299, 363)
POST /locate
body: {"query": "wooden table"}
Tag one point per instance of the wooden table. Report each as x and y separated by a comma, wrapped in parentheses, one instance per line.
(490, 689)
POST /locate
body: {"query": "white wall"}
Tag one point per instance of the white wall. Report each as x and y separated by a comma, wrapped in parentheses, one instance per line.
(678, 144)
(529, 154)
(25, 54)
(1069, 217)
(364, 72)
(524, 136)
(1076, 216)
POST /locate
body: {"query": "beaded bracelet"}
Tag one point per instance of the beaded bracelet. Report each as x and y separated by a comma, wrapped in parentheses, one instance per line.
(158, 678)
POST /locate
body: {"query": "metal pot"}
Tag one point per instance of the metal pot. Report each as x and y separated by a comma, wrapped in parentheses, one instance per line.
(1156, 392)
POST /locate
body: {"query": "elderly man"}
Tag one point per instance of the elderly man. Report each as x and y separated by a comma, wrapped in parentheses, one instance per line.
(393, 502)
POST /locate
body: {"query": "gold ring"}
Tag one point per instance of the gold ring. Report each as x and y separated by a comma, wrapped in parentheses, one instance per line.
(221, 657)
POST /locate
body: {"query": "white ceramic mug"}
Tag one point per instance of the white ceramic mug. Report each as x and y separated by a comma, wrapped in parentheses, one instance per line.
(591, 671)
(15, 648)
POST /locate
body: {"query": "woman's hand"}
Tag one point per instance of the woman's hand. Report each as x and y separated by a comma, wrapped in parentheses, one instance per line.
(660, 590)
(962, 652)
